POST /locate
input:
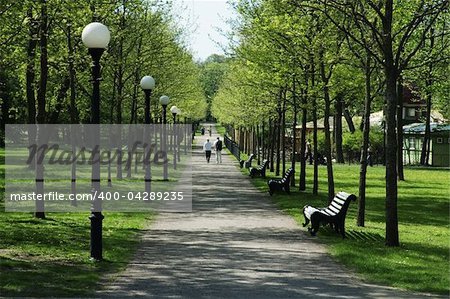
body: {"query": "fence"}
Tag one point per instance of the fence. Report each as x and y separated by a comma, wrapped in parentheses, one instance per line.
(233, 147)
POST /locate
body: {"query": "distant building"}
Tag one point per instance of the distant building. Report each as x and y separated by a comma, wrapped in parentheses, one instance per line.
(376, 118)
(414, 114)
(414, 107)
(413, 136)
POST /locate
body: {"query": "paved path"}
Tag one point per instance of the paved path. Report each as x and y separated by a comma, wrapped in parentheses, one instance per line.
(235, 244)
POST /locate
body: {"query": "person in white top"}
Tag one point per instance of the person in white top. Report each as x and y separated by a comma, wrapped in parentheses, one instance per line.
(207, 147)
(218, 149)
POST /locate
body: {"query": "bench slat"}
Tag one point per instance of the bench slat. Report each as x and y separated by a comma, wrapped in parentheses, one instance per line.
(336, 205)
(329, 212)
(342, 195)
(340, 201)
(331, 208)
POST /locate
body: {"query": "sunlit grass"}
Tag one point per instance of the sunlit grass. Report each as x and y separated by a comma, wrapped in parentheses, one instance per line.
(421, 263)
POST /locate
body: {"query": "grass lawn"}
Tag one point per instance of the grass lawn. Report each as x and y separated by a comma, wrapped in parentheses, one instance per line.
(220, 130)
(50, 257)
(421, 263)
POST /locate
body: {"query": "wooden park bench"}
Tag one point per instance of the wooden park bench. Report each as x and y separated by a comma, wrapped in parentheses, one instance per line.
(248, 163)
(334, 214)
(281, 184)
(259, 170)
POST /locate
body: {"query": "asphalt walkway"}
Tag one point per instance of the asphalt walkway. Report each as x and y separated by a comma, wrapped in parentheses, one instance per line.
(235, 244)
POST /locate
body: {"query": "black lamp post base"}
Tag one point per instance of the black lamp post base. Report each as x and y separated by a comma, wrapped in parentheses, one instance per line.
(39, 215)
(96, 236)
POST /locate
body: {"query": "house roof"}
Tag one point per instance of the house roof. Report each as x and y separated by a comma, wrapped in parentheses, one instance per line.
(376, 119)
(419, 128)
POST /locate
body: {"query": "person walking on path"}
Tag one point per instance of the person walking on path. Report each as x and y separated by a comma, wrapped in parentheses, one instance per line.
(308, 152)
(218, 149)
(207, 147)
(369, 156)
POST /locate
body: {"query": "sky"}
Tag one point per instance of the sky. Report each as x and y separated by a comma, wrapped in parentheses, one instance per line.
(207, 15)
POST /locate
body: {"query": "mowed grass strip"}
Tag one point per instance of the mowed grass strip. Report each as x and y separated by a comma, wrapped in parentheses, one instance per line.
(421, 263)
(50, 258)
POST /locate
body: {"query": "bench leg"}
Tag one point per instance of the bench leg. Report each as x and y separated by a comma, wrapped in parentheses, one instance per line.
(306, 222)
(287, 189)
(312, 232)
(315, 224)
(306, 219)
(342, 228)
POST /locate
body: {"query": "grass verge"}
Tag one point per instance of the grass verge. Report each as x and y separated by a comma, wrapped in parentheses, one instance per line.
(220, 129)
(421, 263)
(50, 258)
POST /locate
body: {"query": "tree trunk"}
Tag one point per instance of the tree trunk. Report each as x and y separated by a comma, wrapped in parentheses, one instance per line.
(392, 238)
(120, 88)
(258, 153)
(294, 130)
(312, 75)
(30, 74)
(118, 106)
(349, 120)
(363, 161)
(338, 130)
(246, 141)
(391, 74)
(41, 103)
(119, 174)
(5, 105)
(278, 134)
(327, 99)
(254, 143)
(272, 145)
(391, 160)
(283, 134)
(30, 79)
(241, 140)
(111, 137)
(302, 182)
(133, 111)
(74, 117)
(328, 145)
(251, 135)
(263, 140)
(401, 175)
(426, 145)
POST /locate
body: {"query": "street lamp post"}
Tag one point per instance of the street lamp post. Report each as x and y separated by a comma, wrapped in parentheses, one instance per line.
(147, 84)
(96, 36)
(177, 146)
(164, 100)
(174, 110)
(185, 135)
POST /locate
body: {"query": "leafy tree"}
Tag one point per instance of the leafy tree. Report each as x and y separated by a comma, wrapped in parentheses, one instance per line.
(399, 30)
(212, 72)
